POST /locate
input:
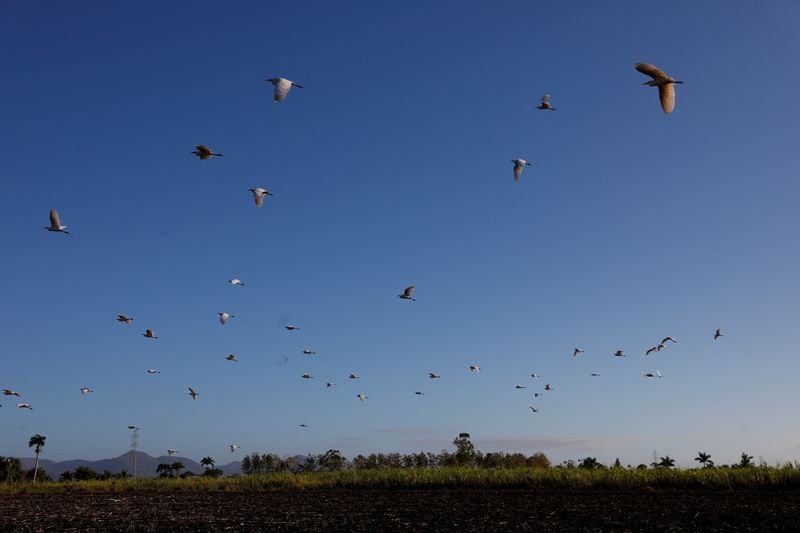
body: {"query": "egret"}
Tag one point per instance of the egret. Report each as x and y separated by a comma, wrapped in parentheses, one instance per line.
(55, 223)
(665, 84)
(546, 103)
(519, 165)
(408, 294)
(204, 152)
(259, 194)
(282, 87)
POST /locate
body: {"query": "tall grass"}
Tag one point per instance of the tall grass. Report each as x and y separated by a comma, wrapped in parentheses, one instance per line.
(450, 477)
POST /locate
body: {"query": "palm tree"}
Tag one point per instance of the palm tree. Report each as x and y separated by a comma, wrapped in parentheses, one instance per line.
(38, 441)
(704, 459)
(164, 470)
(666, 462)
(177, 467)
(207, 462)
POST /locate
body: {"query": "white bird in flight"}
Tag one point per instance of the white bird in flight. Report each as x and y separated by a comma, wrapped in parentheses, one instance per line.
(204, 152)
(668, 339)
(234, 447)
(236, 281)
(361, 396)
(122, 318)
(55, 223)
(474, 368)
(259, 194)
(546, 103)
(148, 333)
(282, 86)
(519, 165)
(193, 394)
(24, 406)
(86, 390)
(408, 294)
(153, 371)
(224, 317)
(665, 84)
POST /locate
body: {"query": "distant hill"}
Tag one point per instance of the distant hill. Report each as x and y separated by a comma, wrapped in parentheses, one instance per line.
(145, 465)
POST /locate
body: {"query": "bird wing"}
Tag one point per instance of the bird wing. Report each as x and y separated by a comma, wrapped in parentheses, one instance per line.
(55, 222)
(204, 150)
(409, 291)
(259, 198)
(517, 171)
(192, 391)
(546, 99)
(667, 94)
(650, 70)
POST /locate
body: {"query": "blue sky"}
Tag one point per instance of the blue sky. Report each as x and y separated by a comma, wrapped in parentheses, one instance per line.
(391, 167)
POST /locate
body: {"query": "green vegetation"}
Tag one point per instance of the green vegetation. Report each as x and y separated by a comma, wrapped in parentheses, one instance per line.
(565, 478)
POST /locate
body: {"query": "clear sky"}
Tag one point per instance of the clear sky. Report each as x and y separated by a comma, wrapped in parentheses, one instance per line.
(391, 167)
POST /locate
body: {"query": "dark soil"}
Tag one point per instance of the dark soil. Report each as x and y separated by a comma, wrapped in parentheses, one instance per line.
(405, 510)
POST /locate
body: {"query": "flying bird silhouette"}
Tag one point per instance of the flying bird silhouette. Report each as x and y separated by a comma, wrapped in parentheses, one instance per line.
(718, 334)
(148, 333)
(193, 394)
(153, 371)
(619, 353)
(204, 152)
(474, 368)
(8, 392)
(433, 375)
(576, 351)
(231, 357)
(122, 318)
(665, 340)
(665, 84)
(234, 447)
(307, 376)
(86, 390)
(224, 317)
(236, 281)
(361, 396)
(291, 328)
(24, 406)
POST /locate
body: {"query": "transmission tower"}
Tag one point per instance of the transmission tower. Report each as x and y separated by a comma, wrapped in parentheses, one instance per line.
(134, 445)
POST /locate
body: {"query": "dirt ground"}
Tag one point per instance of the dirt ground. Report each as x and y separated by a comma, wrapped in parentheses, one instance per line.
(406, 510)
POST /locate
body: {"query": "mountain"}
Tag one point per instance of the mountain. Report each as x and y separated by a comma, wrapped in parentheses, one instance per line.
(145, 465)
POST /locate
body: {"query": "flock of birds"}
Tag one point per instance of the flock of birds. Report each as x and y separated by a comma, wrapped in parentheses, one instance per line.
(282, 87)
